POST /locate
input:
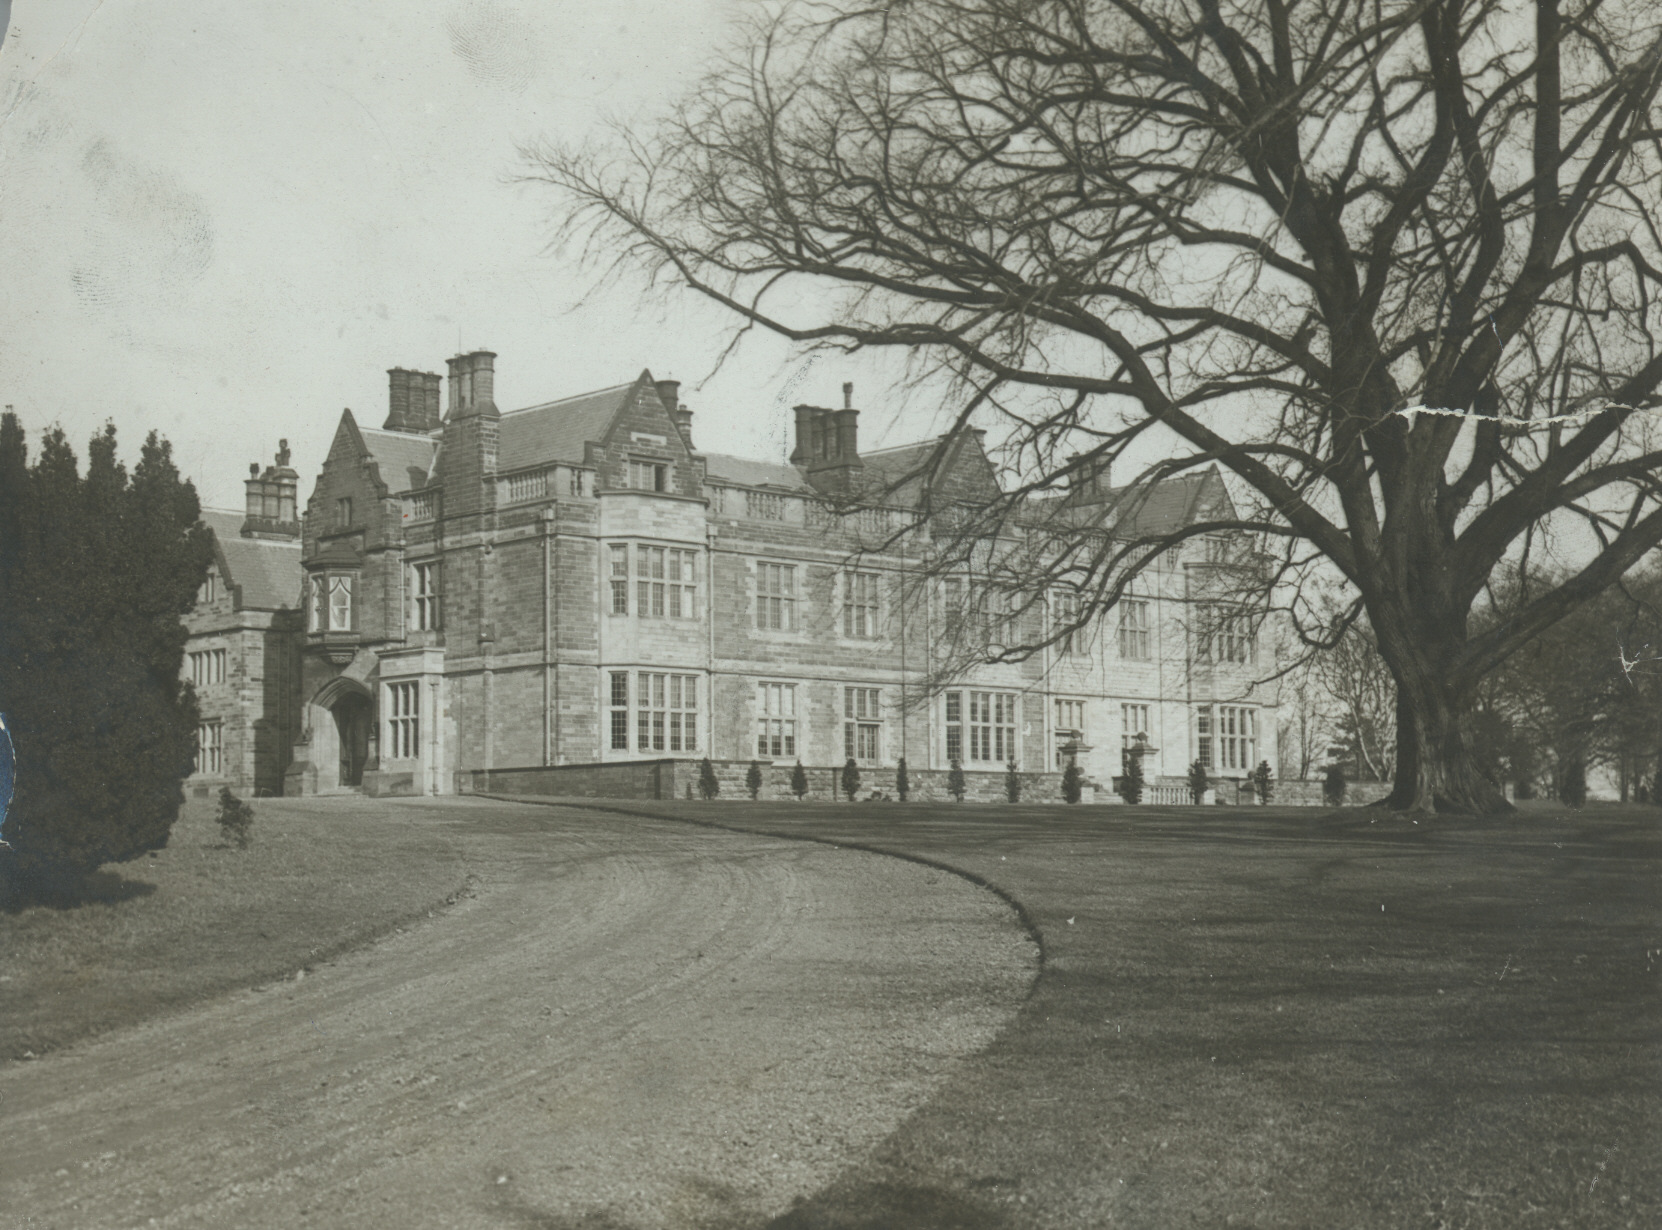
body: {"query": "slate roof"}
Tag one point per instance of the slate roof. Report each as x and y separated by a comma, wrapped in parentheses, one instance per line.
(223, 522)
(721, 468)
(557, 430)
(896, 473)
(401, 457)
(267, 570)
(1146, 512)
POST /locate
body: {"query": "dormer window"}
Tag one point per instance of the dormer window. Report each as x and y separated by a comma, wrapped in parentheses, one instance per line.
(647, 475)
(209, 589)
(343, 512)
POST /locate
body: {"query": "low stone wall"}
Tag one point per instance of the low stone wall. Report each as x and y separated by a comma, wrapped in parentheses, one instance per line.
(1309, 793)
(678, 779)
(634, 779)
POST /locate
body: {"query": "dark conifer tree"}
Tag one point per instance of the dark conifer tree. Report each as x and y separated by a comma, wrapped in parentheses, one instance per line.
(851, 779)
(1131, 781)
(95, 574)
(1198, 783)
(955, 784)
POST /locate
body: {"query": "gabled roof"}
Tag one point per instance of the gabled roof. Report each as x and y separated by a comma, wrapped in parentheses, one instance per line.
(266, 571)
(223, 522)
(400, 456)
(722, 468)
(557, 430)
(896, 474)
(1138, 511)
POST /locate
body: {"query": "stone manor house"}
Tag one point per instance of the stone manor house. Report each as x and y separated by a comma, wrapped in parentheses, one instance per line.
(575, 598)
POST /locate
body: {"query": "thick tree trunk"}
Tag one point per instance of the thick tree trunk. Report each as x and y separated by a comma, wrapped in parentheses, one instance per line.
(1435, 769)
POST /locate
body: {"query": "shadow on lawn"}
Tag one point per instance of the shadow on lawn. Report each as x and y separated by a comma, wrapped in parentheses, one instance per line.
(885, 1206)
(19, 892)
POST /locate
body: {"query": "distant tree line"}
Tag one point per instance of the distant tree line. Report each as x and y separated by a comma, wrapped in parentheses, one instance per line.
(1582, 698)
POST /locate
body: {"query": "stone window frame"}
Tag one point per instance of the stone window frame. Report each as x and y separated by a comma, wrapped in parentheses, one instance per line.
(210, 745)
(777, 597)
(618, 683)
(207, 666)
(778, 723)
(863, 724)
(666, 711)
(636, 469)
(427, 595)
(403, 707)
(1076, 708)
(1136, 636)
(862, 612)
(1226, 737)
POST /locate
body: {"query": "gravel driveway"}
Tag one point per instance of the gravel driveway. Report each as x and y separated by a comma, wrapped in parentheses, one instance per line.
(628, 1024)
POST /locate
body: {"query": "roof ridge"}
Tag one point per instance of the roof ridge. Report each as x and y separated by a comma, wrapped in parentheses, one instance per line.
(895, 448)
(558, 401)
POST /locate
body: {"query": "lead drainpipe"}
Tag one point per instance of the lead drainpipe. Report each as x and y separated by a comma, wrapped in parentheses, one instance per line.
(550, 677)
(710, 534)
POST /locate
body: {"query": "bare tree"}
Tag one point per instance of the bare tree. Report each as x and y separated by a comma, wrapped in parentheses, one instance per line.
(1363, 694)
(1305, 729)
(1263, 232)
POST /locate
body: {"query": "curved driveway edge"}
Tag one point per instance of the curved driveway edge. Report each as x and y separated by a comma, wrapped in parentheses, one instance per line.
(635, 1024)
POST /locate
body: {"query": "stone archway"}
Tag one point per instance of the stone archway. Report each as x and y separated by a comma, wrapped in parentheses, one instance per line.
(339, 740)
(353, 718)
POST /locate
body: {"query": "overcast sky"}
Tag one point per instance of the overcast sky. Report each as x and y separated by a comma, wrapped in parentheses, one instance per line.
(227, 221)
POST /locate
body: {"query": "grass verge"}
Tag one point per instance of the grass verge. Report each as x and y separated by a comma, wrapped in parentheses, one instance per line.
(201, 917)
(1268, 1017)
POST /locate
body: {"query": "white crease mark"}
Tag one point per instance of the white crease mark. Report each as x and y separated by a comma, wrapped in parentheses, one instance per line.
(1578, 416)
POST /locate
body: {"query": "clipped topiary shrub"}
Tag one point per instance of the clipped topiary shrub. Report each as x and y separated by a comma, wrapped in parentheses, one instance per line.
(901, 785)
(955, 781)
(1073, 783)
(1263, 782)
(236, 818)
(1198, 783)
(851, 779)
(1334, 785)
(1131, 781)
(708, 786)
(799, 780)
(753, 780)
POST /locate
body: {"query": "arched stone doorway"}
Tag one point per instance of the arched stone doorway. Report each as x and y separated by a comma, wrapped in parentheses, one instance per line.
(353, 722)
(338, 745)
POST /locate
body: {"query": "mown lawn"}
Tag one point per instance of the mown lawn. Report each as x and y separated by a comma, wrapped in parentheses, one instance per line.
(1268, 1017)
(200, 917)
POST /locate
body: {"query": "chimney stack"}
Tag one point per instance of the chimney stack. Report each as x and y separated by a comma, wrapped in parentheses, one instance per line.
(399, 416)
(473, 384)
(484, 381)
(669, 392)
(271, 508)
(802, 454)
(432, 393)
(828, 444)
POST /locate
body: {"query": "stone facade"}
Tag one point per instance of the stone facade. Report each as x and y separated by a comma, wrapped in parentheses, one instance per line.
(489, 594)
(243, 651)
